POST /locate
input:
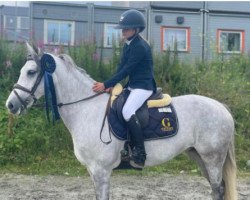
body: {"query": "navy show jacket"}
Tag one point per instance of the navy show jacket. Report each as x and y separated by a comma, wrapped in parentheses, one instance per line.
(137, 63)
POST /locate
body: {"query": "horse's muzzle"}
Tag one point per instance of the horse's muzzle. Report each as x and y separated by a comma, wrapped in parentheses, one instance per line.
(11, 107)
(14, 107)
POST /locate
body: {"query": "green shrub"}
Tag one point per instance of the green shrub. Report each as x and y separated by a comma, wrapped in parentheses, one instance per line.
(12, 58)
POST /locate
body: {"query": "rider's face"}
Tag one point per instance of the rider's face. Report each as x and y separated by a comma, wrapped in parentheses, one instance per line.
(126, 33)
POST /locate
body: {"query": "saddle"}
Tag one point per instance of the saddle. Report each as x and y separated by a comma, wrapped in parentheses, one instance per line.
(157, 115)
(156, 100)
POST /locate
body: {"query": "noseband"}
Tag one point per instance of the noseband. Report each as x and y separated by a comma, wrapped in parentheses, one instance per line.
(33, 89)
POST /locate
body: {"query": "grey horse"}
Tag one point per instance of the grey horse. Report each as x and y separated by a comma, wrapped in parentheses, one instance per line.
(206, 127)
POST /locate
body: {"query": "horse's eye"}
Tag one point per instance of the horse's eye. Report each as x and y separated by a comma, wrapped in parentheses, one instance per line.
(31, 72)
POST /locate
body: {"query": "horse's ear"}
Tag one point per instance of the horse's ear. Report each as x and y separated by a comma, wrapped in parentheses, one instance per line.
(30, 49)
(40, 51)
(35, 48)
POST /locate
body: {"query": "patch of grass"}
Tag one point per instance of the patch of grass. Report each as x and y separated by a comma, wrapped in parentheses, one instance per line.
(242, 153)
(62, 163)
(179, 165)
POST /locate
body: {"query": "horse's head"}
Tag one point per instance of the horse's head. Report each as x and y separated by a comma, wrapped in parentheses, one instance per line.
(29, 86)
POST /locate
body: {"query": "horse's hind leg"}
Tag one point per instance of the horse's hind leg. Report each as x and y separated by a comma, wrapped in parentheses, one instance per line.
(218, 191)
(194, 155)
(214, 165)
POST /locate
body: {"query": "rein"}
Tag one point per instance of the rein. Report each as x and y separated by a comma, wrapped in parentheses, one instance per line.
(84, 99)
(105, 114)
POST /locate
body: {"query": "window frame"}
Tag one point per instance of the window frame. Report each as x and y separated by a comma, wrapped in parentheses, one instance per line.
(16, 32)
(105, 34)
(187, 29)
(72, 39)
(5, 22)
(17, 20)
(242, 41)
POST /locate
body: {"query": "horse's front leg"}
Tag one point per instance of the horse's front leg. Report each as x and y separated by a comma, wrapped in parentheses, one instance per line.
(101, 179)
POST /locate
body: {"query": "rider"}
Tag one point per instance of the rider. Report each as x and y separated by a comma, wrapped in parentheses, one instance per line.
(136, 63)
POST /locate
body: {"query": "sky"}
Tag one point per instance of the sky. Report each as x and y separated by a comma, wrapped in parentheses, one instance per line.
(26, 3)
(15, 3)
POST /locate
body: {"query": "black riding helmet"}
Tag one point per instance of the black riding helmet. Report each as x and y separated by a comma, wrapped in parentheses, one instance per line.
(132, 19)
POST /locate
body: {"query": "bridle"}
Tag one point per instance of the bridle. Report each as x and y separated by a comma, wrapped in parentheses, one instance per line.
(34, 88)
(31, 92)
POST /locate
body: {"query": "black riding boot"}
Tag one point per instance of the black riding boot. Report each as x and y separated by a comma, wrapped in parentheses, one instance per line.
(138, 152)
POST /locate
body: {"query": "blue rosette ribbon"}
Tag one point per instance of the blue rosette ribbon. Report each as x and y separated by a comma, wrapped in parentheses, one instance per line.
(48, 66)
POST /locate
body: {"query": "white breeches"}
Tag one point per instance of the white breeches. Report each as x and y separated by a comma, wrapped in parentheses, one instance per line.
(135, 100)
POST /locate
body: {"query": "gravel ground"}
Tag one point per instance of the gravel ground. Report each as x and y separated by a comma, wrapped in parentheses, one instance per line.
(160, 187)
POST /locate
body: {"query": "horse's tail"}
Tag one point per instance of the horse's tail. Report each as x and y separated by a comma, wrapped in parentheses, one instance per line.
(229, 173)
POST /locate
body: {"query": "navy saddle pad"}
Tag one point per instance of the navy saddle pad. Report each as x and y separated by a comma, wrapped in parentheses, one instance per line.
(160, 122)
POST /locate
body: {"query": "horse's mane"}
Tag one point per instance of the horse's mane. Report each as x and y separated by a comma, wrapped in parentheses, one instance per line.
(69, 62)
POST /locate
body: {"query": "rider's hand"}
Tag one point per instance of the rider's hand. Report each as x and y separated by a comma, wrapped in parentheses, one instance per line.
(98, 87)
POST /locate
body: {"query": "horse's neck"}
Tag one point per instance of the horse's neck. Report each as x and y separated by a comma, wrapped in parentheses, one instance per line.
(72, 85)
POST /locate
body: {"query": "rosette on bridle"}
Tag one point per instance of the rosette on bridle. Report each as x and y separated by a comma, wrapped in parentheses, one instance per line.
(48, 66)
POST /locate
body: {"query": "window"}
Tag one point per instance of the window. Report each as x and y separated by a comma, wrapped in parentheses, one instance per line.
(10, 22)
(16, 28)
(13, 22)
(172, 36)
(229, 41)
(59, 32)
(111, 35)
